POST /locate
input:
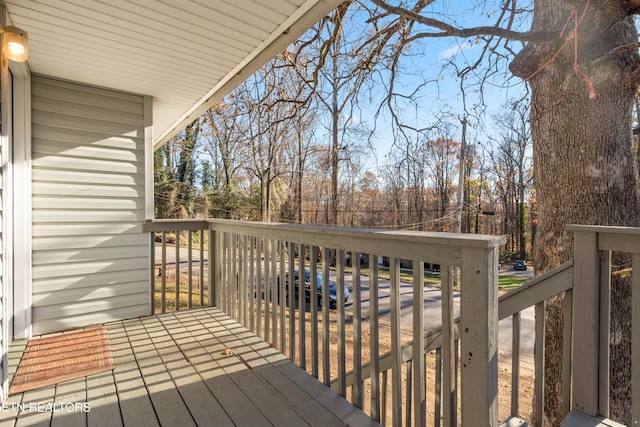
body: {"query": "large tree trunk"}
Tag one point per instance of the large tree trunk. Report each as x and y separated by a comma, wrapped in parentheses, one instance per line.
(585, 165)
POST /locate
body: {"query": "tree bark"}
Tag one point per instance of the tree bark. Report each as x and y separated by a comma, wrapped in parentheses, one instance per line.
(584, 162)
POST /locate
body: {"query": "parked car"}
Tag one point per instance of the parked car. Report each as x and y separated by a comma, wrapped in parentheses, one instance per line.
(333, 288)
(520, 265)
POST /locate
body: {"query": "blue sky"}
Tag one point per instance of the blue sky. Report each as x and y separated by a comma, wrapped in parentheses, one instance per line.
(442, 97)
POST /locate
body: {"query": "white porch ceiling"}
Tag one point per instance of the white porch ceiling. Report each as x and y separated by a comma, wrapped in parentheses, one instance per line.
(186, 54)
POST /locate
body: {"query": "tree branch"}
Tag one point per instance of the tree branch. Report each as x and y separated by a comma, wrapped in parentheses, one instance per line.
(447, 30)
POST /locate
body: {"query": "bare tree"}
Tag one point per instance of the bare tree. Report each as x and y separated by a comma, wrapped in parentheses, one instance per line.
(441, 168)
(344, 61)
(511, 164)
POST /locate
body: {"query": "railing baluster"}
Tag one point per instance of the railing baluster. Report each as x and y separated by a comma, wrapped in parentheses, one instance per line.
(356, 295)
(213, 269)
(260, 289)
(244, 282)
(385, 381)
(408, 388)
(326, 367)
(177, 303)
(566, 356)
(252, 282)
(538, 355)
(267, 289)
(396, 356)
(438, 389)
(419, 371)
(301, 308)
(314, 310)
(274, 290)
(456, 373)
(241, 302)
(282, 300)
(234, 276)
(189, 269)
(224, 284)
(450, 381)
(342, 371)
(515, 364)
(163, 288)
(605, 328)
(224, 268)
(291, 300)
(374, 351)
(201, 277)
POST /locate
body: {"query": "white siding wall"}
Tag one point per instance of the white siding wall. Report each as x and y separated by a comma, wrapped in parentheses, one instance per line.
(90, 258)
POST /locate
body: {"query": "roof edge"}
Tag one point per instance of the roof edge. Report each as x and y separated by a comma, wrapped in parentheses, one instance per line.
(286, 33)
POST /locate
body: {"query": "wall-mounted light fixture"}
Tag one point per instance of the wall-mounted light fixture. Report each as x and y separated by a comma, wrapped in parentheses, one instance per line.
(15, 43)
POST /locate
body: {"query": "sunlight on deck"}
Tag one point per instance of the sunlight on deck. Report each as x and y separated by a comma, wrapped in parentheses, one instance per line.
(194, 368)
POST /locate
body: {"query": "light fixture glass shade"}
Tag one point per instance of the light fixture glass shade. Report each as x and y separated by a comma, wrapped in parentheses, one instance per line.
(15, 44)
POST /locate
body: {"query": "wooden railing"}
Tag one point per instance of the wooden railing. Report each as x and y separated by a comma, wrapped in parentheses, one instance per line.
(188, 288)
(591, 328)
(346, 346)
(511, 305)
(534, 294)
(250, 259)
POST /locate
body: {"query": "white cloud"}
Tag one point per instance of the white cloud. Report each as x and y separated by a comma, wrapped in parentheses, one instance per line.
(453, 51)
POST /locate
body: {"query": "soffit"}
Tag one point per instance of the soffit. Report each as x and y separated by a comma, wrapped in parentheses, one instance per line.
(186, 54)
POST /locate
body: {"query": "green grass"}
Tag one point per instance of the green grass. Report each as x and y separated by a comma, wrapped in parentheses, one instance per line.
(507, 283)
(170, 293)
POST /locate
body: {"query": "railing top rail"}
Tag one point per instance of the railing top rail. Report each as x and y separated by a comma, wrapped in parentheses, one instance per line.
(175, 224)
(604, 229)
(439, 248)
(537, 290)
(436, 238)
(619, 239)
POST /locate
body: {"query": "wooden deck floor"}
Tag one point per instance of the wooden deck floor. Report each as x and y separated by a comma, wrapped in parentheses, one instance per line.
(193, 368)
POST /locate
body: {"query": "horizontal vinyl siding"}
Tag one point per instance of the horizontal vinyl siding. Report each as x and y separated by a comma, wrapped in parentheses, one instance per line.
(90, 257)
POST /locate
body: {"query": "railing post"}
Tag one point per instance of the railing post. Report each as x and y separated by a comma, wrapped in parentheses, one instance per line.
(586, 322)
(479, 333)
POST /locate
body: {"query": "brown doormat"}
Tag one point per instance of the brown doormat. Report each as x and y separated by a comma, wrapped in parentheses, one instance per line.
(51, 360)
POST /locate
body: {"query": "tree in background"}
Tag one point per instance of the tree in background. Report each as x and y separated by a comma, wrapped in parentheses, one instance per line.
(441, 170)
(511, 166)
(224, 137)
(175, 175)
(344, 61)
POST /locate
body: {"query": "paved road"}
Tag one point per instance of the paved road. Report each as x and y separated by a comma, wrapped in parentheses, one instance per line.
(432, 304)
(433, 313)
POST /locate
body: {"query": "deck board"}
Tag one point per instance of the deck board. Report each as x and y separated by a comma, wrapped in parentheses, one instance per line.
(135, 404)
(71, 391)
(103, 398)
(193, 368)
